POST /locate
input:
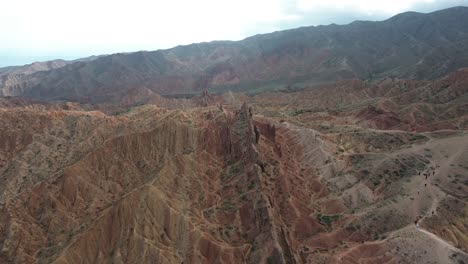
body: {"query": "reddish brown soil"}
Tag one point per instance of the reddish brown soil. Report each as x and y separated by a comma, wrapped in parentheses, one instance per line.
(283, 178)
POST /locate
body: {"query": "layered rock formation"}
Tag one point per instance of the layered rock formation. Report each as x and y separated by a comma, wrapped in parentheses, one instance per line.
(167, 192)
(220, 184)
(354, 171)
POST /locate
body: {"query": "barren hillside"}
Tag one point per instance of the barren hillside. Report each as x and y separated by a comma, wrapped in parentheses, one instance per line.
(409, 45)
(238, 179)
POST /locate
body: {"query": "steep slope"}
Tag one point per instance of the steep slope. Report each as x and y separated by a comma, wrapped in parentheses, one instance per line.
(15, 78)
(409, 45)
(112, 173)
(222, 184)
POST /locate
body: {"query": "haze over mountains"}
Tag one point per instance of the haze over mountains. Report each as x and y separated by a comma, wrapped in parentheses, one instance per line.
(329, 144)
(409, 45)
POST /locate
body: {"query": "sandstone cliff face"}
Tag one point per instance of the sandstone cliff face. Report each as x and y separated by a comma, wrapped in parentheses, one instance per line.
(164, 192)
(213, 179)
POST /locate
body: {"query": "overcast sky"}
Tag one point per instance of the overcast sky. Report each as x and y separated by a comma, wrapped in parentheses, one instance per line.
(33, 30)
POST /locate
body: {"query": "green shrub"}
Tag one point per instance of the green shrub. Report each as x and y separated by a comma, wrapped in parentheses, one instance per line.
(327, 220)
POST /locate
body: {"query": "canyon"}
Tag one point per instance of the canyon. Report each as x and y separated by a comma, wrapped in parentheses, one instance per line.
(329, 144)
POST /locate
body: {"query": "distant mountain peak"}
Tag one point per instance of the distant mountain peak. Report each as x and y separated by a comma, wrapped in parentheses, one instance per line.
(409, 45)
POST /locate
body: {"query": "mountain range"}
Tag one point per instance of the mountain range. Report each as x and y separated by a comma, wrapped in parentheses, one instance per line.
(409, 45)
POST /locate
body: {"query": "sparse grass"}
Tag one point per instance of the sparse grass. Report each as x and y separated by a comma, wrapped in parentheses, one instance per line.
(201, 197)
(227, 205)
(231, 171)
(297, 112)
(417, 137)
(244, 197)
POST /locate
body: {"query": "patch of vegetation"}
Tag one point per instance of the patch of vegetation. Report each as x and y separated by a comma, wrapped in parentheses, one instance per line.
(251, 185)
(270, 260)
(231, 171)
(327, 220)
(351, 228)
(227, 205)
(376, 182)
(253, 248)
(297, 112)
(417, 137)
(201, 197)
(244, 197)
